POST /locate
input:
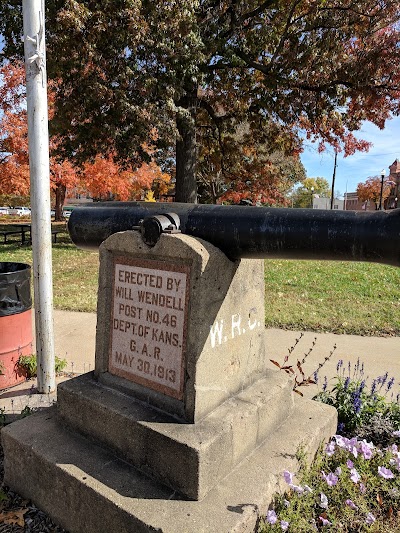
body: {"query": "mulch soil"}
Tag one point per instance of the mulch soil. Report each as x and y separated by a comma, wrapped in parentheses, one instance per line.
(18, 515)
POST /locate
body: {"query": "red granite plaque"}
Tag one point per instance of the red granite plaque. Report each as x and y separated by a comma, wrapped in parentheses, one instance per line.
(148, 317)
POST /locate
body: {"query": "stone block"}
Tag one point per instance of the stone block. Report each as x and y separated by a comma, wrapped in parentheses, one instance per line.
(86, 488)
(179, 324)
(152, 440)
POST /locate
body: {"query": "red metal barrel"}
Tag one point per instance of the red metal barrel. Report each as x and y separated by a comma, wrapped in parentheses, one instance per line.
(15, 321)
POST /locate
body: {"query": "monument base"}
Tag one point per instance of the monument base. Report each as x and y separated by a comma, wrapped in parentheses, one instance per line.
(189, 458)
(85, 487)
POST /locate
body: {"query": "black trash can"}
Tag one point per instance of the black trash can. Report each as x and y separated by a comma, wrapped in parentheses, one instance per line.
(15, 321)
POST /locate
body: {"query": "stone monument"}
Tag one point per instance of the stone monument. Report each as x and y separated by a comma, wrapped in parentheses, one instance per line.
(181, 426)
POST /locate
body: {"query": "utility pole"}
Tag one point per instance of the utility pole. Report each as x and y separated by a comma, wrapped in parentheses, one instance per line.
(383, 174)
(333, 180)
(38, 139)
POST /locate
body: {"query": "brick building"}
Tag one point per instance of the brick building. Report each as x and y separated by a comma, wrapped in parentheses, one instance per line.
(352, 203)
(394, 182)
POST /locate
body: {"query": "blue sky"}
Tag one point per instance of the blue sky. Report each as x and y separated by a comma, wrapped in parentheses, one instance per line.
(353, 169)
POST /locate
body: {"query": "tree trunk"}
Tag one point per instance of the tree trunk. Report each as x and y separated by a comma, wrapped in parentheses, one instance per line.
(186, 155)
(60, 199)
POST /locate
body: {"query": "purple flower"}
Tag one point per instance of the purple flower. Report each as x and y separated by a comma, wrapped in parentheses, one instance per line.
(370, 519)
(385, 472)
(390, 384)
(396, 433)
(352, 446)
(288, 477)
(338, 471)
(340, 441)
(324, 501)
(357, 401)
(284, 525)
(339, 365)
(297, 488)
(325, 384)
(349, 464)
(351, 504)
(271, 517)
(340, 426)
(331, 479)
(366, 449)
(355, 476)
(396, 461)
(324, 521)
(330, 448)
(363, 488)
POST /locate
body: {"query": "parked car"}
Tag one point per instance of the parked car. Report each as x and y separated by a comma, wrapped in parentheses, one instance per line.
(4, 210)
(67, 211)
(20, 211)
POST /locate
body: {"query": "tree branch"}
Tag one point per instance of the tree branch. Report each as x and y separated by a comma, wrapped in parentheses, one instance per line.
(285, 31)
(257, 11)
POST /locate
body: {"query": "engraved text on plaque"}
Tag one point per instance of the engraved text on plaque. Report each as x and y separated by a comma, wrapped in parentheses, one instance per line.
(149, 323)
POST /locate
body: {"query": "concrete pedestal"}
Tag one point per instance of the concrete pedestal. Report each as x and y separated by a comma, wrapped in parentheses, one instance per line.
(181, 427)
(86, 488)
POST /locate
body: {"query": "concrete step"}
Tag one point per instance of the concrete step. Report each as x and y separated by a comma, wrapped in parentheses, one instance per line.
(85, 487)
(151, 440)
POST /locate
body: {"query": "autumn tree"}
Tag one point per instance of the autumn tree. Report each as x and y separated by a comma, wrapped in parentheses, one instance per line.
(102, 177)
(319, 66)
(235, 167)
(14, 173)
(371, 190)
(14, 155)
(105, 180)
(311, 187)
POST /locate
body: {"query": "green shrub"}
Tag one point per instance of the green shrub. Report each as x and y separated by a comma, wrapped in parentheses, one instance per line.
(29, 365)
(363, 410)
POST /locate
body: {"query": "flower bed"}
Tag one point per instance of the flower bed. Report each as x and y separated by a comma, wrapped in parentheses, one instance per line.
(354, 482)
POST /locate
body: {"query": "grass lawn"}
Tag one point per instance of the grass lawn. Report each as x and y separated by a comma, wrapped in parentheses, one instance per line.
(340, 297)
(75, 272)
(335, 296)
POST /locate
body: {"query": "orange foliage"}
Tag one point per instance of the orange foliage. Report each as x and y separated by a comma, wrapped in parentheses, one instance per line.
(371, 190)
(150, 175)
(14, 175)
(101, 178)
(104, 177)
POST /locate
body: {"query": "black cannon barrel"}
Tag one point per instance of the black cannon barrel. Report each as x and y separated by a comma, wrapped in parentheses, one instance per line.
(255, 232)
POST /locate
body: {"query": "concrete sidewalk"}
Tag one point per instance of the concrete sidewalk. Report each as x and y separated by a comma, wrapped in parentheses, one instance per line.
(75, 342)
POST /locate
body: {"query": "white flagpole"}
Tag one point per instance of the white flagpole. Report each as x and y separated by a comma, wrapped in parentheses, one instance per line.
(38, 138)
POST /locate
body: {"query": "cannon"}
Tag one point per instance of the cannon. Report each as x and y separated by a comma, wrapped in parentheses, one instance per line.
(249, 232)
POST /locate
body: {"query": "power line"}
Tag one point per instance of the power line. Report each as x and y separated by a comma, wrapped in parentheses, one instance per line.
(327, 151)
(378, 155)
